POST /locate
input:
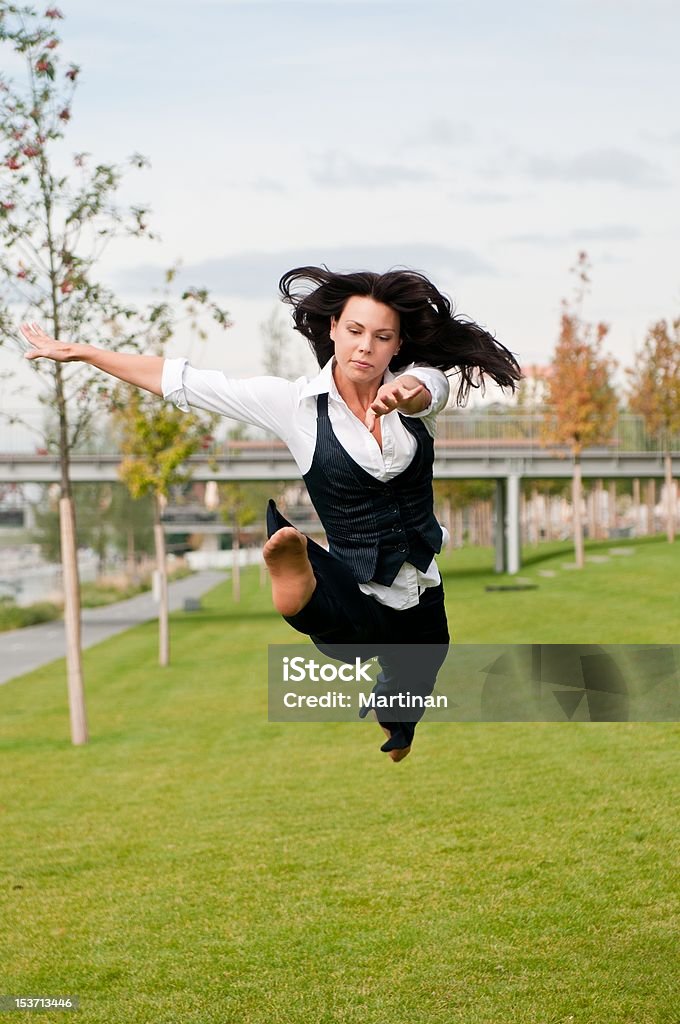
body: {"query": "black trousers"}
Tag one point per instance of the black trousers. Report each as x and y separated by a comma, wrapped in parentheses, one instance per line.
(344, 623)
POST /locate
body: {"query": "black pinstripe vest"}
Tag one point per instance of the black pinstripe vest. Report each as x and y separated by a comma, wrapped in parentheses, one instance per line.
(374, 527)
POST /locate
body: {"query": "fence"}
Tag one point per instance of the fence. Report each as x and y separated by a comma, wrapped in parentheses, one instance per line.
(454, 428)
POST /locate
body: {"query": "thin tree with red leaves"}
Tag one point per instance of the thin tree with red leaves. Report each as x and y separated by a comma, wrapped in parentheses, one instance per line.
(654, 393)
(579, 393)
(56, 221)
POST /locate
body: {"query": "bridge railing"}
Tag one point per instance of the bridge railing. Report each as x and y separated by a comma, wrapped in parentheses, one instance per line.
(527, 430)
(455, 428)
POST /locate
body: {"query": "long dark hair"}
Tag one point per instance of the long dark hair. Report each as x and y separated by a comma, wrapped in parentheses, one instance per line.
(430, 331)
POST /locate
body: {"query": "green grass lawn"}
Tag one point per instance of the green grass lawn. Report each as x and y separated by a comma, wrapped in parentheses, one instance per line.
(195, 863)
(627, 599)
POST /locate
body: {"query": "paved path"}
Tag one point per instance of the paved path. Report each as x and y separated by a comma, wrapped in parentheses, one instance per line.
(22, 650)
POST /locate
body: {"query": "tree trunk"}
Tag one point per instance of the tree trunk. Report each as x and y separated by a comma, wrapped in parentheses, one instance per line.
(74, 668)
(549, 513)
(162, 570)
(670, 498)
(67, 519)
(590, 512)
(535, 517)
(599, 510)
(612, 506)
(69, 564)
(576, 502)
(236, 565)
(130, 556)
(637, 518)
(651, 504)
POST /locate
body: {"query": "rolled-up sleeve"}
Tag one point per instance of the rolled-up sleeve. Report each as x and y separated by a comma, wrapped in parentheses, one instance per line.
(266, 402)
(171, 383)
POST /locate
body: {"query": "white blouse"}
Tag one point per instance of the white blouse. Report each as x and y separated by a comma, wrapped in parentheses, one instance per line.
(288, 409)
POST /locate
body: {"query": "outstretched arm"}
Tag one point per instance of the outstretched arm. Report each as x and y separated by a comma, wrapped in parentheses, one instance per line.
(142, 371)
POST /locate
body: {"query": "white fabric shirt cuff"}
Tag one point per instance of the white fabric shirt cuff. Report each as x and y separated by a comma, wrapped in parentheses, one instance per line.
(171, 382)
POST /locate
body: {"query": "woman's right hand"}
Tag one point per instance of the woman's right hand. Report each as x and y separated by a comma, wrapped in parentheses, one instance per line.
(43, 345)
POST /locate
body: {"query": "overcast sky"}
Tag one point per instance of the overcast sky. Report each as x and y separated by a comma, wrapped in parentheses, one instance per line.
(482, 143)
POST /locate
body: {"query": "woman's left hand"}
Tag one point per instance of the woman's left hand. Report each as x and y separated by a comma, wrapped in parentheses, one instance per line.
(406, 393)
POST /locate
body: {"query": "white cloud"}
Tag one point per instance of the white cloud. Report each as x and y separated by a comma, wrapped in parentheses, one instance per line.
(333, 170)
(579, 236)
(604, 165)
(442, 131)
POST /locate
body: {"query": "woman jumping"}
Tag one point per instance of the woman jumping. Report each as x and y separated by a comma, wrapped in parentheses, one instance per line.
(361, 433)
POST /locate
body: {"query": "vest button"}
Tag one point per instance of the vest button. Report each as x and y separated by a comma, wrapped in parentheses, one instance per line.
(397, 528)
(402, 548)
(393, 508)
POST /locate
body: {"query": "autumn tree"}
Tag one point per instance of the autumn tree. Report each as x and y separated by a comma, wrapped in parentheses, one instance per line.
(157, 438)
(579, 394)
(156, 441)
(654, 393)
(56, 220)
(55, 223)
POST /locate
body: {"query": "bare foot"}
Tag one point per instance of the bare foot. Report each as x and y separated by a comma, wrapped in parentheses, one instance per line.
(396, 755)
(293, 580)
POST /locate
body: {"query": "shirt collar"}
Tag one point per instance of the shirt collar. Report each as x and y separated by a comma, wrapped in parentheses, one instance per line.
(324, 382)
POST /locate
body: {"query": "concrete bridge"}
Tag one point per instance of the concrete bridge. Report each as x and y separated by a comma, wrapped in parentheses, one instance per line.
(504, 448)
